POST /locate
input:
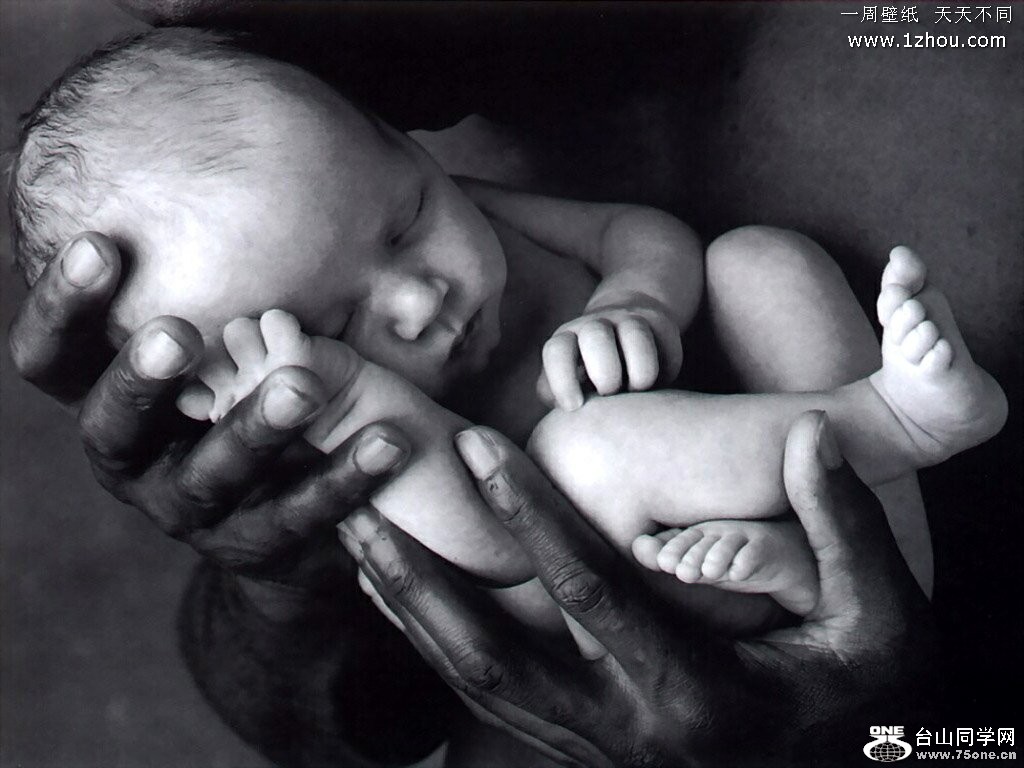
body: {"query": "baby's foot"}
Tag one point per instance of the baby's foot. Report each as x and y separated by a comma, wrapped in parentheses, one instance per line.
(752, 556)
(254, 349)
(943, 400)
(434, 499)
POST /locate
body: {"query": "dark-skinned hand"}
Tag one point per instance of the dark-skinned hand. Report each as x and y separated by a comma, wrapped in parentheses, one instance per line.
(248, 493)
(651, 687)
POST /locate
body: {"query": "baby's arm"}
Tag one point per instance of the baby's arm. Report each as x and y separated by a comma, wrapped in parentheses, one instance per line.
(652, 277)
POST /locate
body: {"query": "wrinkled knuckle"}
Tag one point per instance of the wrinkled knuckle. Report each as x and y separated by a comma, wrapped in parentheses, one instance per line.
(197, 494)
(111, 477)
(22, 354)
(481, 670)
(577, 588)
(172, 525)
(515, 505)
(123, 386)
(169, 519)
(91, 433)
(49, 310)
(399, 579)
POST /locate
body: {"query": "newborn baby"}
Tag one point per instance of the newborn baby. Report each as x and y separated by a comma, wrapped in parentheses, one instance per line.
(293, 228)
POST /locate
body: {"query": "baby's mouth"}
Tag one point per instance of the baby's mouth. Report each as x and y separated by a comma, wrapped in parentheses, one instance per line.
(462, 339)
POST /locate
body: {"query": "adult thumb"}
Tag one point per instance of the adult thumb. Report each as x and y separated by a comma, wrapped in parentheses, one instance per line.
(858, 561)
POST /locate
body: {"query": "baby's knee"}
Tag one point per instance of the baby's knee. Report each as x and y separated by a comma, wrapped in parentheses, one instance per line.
(745, 257)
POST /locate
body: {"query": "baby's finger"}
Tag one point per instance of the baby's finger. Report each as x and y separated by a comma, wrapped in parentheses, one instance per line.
(219, 373)
(244, 342)
(544, 391)
(281, 333)
(560, 357)
(640, 352)
(196, 401)
(600, 352)
(58, 337)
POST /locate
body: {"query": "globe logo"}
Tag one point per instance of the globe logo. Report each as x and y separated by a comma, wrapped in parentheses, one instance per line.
(886, 745)
(887, 752)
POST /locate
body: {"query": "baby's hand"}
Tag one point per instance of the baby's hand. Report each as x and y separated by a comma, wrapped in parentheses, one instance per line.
(252, 349)
(633, 344)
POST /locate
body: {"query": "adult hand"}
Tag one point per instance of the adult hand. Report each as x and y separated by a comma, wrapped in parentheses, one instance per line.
(665, 692)
(248, 493)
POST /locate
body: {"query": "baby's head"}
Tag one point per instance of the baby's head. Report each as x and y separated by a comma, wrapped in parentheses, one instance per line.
(234, 184)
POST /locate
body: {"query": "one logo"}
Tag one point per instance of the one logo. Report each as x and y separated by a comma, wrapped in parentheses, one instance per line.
(886, 745)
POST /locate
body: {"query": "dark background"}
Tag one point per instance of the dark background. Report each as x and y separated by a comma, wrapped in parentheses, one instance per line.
(722, 114)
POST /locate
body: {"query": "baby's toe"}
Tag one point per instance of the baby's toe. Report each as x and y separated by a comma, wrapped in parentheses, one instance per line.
(645, 550)
(747, 561)
(905, 268)
(938, 359)
(720, 556)
(690, 568)
(919, 341)
(676, 547)
(196, 401)
(890, 298)
(909, 315)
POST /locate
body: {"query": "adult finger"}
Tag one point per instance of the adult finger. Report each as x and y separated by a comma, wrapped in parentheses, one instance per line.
(600, 352)
(236, 454)
(272, 539)
(58, 336)
(580, 570)
(477, 649)
(560, 357)
(858, 560)
(119, 416)
(640, 352)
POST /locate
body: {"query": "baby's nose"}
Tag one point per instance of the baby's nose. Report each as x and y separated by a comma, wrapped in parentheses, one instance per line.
(415, 305)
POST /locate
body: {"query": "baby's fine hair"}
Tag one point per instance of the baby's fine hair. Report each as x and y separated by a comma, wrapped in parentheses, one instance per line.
(168, 101)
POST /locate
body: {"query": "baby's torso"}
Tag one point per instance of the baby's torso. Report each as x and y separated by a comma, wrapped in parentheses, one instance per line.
(544, 290)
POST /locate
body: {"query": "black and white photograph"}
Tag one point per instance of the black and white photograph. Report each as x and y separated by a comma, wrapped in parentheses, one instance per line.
(505, 384)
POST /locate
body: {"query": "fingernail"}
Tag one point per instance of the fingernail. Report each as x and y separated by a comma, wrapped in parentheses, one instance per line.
(82, 265)
(361, 525)
(161, 356)
(828, 448)
(479, 453)
(285, 407)
(349, 541)
(375, 455)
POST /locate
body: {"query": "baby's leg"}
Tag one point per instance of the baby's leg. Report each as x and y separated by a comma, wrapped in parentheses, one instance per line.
(626, 458)
(787, 321)
(751, 556)
(434, 499)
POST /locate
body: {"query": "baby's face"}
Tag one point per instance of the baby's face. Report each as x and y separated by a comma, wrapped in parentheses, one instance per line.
(342, 221)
